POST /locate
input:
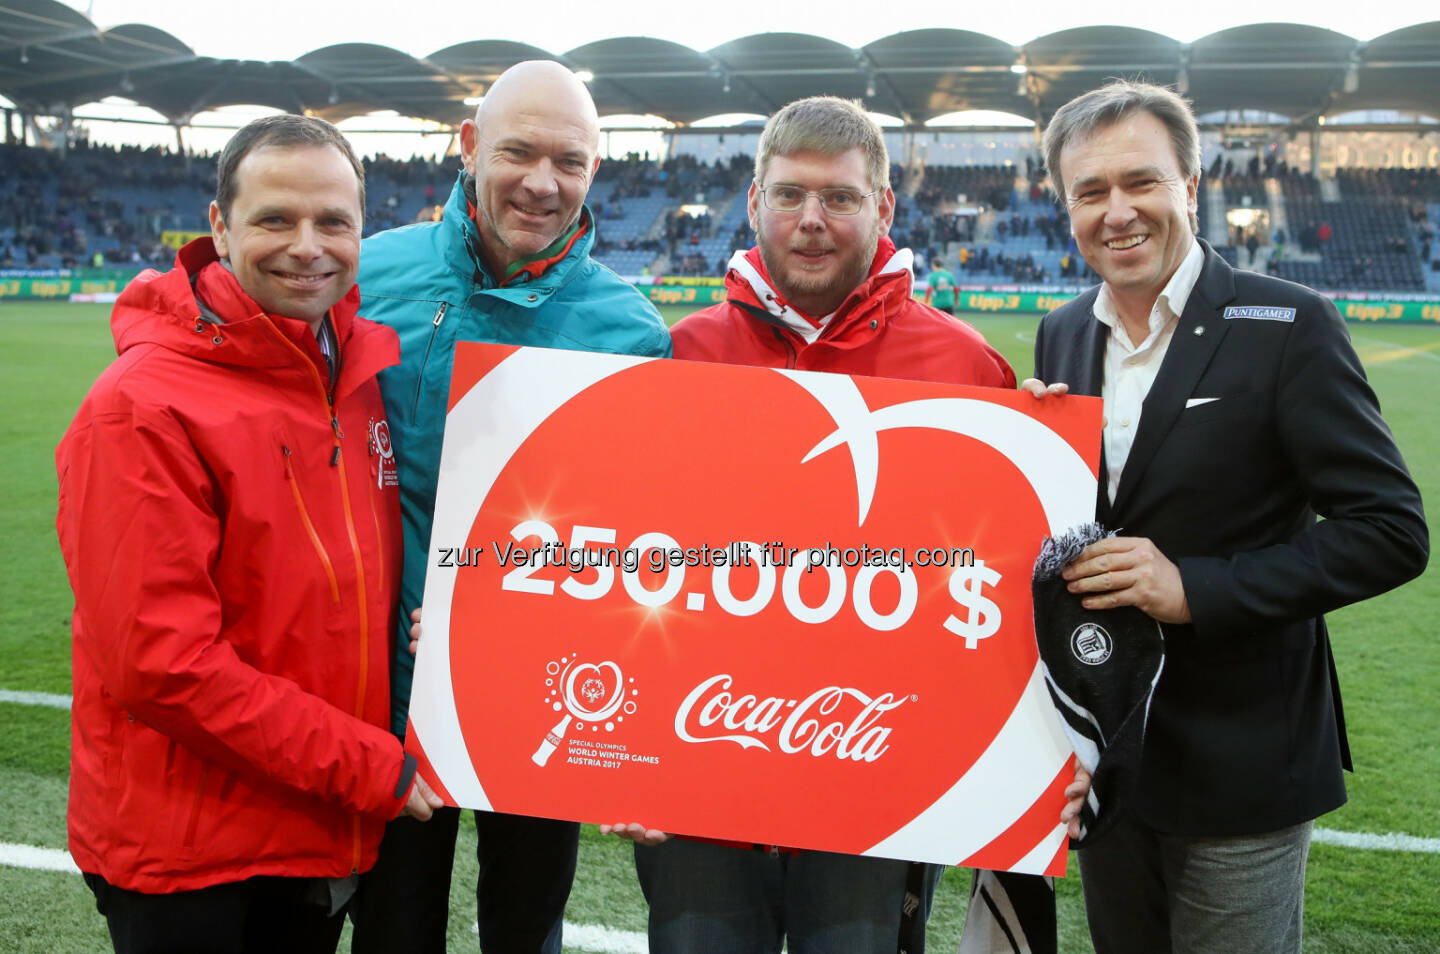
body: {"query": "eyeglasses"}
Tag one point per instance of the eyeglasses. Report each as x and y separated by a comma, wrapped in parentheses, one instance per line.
(784, 198)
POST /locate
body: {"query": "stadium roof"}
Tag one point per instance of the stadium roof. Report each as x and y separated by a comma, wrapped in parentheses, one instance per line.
(53, 59)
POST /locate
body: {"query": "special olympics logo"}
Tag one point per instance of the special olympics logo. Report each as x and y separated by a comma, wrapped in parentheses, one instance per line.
(1091, 644)
(588, 693)
(380, 434)
(385, 474)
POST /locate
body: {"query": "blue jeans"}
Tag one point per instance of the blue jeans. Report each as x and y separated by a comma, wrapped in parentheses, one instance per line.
(720, 899)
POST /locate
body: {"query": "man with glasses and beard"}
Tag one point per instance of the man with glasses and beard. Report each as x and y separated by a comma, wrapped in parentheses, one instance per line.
(825, 289)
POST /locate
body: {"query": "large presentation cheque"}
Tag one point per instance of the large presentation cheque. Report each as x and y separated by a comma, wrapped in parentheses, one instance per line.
(772, 606)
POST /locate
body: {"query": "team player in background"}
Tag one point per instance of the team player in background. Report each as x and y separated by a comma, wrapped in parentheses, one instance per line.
(940, 287)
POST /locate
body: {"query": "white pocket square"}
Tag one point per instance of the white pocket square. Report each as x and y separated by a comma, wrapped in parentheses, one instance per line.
(1196, 402)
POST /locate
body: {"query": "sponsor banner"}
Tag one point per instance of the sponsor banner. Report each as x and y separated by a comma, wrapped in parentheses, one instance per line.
(1352, 306)
(699, 280)
(1011, 300)
(1353, 309)
(177, 240)
(773, 606)
(79, 284)
(674, 293)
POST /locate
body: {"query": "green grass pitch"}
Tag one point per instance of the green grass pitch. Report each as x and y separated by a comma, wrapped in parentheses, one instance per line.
(1389, 659)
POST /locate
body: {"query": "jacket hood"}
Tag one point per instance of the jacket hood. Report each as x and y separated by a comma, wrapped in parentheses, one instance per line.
(892, 272)
(161, 309)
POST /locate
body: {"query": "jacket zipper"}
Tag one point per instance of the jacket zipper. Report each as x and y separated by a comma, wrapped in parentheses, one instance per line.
(193, 825)
(420, 378)
(310, 526)
(379, 534)
(362, 608)
(791, 355)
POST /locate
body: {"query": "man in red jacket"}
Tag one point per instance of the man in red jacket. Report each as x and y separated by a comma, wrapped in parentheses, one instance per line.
(823, 290)
(229, 519)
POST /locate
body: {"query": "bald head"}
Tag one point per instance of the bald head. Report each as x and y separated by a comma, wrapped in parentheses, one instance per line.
(533, 148)
(545, 89)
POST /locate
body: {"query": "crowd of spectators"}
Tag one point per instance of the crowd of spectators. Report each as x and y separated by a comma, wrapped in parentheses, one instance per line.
(627, 244)
(108, 206)
(70, 211)
(1022, 269)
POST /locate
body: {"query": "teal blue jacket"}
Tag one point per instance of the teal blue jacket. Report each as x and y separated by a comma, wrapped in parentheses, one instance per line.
(429, 283)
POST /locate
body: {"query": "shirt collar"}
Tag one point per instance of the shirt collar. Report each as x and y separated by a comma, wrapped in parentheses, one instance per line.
(1173, 297)
(533, 266)
(750, 267)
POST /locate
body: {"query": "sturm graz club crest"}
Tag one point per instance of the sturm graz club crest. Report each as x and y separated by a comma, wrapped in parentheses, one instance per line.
(1091, 644)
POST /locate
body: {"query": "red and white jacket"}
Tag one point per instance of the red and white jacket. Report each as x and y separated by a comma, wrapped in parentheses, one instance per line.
(879, 329)
(230, 524)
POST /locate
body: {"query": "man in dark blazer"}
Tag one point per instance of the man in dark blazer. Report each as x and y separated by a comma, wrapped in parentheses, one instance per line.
(1236, 411)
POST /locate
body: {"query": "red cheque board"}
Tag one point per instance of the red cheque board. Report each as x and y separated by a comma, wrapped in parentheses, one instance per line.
(811, 620)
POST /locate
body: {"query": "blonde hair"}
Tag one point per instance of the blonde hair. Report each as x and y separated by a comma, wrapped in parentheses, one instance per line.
(830, 126)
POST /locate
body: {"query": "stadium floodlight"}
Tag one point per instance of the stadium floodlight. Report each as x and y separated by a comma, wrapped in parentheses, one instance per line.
(585, 76)
(1019, 68)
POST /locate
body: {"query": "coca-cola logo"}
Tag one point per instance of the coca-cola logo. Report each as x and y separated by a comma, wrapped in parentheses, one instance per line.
(833, 720)
(844, 605)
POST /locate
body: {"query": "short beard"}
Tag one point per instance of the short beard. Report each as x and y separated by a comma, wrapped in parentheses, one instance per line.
(806, 290)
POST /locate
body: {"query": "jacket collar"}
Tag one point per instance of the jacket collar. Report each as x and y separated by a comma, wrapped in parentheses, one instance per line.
(161, 309)
(556, 263)
(890, 279)
(1197, 337)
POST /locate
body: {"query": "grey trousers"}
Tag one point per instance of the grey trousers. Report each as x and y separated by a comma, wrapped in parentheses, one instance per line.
(1149, 893)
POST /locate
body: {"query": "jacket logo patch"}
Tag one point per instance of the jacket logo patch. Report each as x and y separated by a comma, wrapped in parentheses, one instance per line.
(386, 475)
(1091, 644)
(1263, 312)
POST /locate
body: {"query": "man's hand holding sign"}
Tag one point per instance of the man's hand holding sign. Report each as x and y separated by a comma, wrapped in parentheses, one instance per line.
(625, 619)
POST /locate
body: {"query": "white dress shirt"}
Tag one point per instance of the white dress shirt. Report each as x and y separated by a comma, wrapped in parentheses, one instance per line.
(1130, 370)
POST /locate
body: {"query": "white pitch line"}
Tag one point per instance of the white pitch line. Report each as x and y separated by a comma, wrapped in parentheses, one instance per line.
(598, 939)
(1412, 352)
(1390, 841)
(604, 940)
(35, 698)
(1366, 841)
(587, 937)
(36, 858)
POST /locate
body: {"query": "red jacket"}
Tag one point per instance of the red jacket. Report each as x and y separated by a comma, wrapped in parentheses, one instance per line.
(879, 330)
(231, 532)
